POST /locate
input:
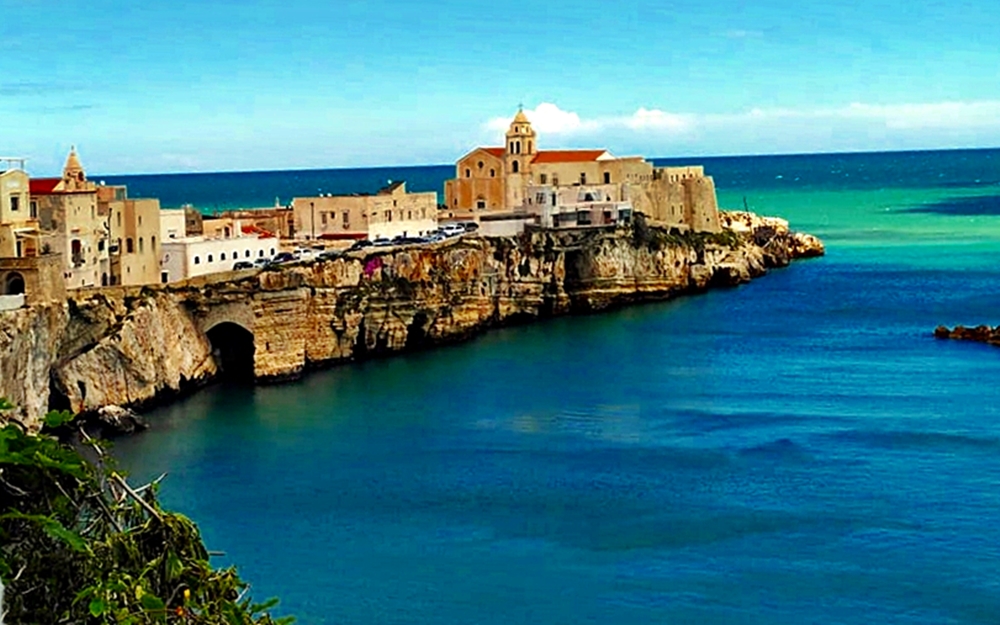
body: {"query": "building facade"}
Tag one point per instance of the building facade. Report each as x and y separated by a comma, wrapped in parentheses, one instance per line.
(189, 257)
(67, 213)
(496, 180)
(134, 224)
(387, 214)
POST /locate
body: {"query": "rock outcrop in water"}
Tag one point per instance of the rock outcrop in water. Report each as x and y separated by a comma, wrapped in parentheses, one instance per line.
(980, 334)
(133, 346)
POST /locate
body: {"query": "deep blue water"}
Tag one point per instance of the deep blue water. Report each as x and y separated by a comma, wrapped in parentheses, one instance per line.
(796, 450)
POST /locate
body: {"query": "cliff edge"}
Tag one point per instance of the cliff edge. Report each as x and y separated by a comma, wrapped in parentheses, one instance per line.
(134, 346)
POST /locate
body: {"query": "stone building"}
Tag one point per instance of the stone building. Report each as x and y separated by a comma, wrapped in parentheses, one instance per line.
(67, 212)
(173, 224)
(495, 180)
(579, 205)
(278, 220)
(134, 224)
(30, 272)
(389, 213)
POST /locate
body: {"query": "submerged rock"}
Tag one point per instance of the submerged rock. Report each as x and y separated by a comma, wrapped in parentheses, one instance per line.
(112, 421)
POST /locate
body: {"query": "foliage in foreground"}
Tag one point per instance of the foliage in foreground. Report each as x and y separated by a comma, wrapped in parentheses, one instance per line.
(79, 545)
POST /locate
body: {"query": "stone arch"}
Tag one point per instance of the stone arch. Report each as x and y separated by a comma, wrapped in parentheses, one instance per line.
(13, 284)
(234, 350)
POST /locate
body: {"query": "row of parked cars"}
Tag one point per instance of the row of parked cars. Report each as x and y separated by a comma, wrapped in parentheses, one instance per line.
(444, 232)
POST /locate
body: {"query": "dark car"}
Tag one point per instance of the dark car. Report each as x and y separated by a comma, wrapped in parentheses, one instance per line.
(242, 264)
(470, 226)
(329, 255)
(283, 257)
(359, 245)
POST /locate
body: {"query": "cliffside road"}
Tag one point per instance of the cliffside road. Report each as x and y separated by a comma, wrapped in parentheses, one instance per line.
(134, 346)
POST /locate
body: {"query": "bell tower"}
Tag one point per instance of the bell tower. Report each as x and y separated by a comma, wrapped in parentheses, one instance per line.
(520, 149)
(73, 178)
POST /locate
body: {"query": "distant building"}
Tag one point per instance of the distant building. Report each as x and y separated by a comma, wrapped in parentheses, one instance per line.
(278, 221)
(134, 251)
(189, 257)
(490, 181)
(387, 214)
(580, 205)
(173, 224)
(30, 271)
(67, 211)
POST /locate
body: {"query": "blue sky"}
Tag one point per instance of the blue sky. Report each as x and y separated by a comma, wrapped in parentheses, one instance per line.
(185, 85)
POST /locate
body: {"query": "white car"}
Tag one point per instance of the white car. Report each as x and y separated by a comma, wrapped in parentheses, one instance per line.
(452, 230)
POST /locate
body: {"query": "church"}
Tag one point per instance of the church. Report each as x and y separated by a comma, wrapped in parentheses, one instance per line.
(498, 180)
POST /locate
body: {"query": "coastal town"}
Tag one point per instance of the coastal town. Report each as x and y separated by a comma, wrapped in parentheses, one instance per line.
(71, 233)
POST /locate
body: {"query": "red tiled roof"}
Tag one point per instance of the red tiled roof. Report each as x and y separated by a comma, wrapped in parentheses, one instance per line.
(43, 186)
(567, 156)
(499, 152)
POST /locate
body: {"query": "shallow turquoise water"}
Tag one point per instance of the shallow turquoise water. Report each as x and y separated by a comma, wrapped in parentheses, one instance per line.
(795, 450)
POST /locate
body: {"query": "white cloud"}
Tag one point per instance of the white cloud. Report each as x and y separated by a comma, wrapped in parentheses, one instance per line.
(857, 125)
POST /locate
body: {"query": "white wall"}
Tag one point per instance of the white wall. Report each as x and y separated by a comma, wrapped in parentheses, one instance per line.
(407, 227)
(187, 258)
(172, 224)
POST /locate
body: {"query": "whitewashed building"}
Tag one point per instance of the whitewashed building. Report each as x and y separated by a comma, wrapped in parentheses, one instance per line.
(189, 257)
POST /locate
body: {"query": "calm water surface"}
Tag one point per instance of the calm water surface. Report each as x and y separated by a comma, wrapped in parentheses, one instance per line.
(796, 450)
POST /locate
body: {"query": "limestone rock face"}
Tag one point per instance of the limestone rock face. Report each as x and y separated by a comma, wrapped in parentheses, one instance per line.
(130, 347)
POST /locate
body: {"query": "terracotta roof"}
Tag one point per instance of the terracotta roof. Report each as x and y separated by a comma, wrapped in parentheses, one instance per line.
(43, 186)
(495, 151)
(568, 156)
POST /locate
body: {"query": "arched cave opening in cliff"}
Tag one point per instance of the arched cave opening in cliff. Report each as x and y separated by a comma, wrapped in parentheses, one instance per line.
(233, 350)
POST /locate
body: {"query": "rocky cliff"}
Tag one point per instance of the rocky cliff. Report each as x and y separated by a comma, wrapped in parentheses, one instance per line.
(133, 346)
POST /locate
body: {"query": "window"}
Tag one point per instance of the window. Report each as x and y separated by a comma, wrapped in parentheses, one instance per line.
(517, 147)
(222, 256)
(34, 208)
(140, 220)
(129, 245)
(493, 173)
(152, 241)
(260, 253)
(100, 247)
(529, 147)
(514, 167)
(583, 177)
(210, 258)
(607, 177)
(272, 251)
(409, 214)
(543, 178)
(555, 180)
(197, 260)
(140, 245)
(119, 218)
(480, 204)
(388, 215)
(322, 218)
(246, 254)
(347, 218)
(468, 172)
(15, 202)
(479, 164)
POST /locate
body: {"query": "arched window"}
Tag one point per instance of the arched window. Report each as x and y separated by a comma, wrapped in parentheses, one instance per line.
(13, 284)
(247, 254)
(152, 241)
(514, 167)
(197, 260)
(140, 245)
(210, 258)
(129, 246)
(479, 164)
(529, 147)
(468, 172)
(260, 253)
(493, 173)
(517, 147)
(222, 256)
(104, 279)
(272, 251)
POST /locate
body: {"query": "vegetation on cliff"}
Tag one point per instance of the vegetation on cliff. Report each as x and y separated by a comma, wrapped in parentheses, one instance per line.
(78, 544)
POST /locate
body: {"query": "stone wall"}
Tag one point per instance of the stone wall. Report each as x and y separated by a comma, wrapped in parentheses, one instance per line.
(131, 347)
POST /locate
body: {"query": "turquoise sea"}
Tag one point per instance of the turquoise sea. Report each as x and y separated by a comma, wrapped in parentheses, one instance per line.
(796, 450)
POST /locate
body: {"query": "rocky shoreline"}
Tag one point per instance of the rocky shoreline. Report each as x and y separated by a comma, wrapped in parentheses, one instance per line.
(134, 347)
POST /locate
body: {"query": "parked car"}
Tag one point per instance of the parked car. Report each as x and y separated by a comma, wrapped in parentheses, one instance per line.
(383, 243)
(359, 245)
(242, 264)
(470, 226)
(452, 230)
(329, 255)
(436, 237)
(262, 262)
(283, 257)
